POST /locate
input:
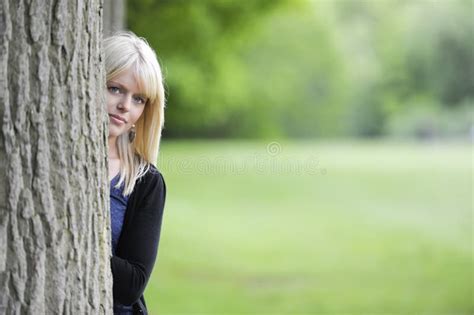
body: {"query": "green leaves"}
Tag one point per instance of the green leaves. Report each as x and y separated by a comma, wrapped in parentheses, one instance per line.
(301, 68)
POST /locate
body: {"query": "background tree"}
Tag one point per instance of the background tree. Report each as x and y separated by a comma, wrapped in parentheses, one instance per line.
(200, 45)
(54, 223)
(114, 16)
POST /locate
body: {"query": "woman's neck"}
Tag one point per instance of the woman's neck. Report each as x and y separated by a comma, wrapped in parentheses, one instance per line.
(114, 161)
(113, 152)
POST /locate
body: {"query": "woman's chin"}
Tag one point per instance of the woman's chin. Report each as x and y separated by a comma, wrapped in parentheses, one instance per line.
(114, 131)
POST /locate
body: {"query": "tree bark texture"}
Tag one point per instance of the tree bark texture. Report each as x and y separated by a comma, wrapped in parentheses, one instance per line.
(114, 16)
(54, 197)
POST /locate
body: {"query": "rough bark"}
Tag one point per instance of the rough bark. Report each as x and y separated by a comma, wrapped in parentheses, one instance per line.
(54, 199)
(114, 16)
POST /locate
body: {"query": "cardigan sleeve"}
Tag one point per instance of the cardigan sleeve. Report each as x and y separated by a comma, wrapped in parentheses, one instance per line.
(138, 245)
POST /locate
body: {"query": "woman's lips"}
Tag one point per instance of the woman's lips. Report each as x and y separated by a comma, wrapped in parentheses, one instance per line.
(117, 119)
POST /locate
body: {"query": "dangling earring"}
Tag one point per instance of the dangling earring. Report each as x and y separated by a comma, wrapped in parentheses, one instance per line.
(131, 134)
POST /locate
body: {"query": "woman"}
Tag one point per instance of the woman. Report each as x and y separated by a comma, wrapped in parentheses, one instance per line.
(135, 104)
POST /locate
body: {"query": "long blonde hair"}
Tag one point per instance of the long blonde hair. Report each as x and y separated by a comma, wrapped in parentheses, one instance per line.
(123, 51)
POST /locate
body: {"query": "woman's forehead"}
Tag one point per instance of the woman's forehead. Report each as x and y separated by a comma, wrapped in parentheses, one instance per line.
(129, 80)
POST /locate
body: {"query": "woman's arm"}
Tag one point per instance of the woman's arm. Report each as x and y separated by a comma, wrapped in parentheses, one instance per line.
(138, 244)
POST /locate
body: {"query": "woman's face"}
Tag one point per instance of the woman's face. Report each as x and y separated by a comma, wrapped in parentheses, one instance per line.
(125, 103)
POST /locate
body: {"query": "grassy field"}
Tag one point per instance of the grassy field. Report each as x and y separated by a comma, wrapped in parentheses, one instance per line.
(315, 228)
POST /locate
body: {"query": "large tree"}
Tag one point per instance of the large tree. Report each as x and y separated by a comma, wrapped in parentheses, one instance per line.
(54, 221)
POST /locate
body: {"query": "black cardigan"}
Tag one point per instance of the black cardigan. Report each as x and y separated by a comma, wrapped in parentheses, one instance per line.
(137, 246)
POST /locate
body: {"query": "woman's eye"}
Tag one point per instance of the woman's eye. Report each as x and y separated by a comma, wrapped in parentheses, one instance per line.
(114, 89)
(140, 100)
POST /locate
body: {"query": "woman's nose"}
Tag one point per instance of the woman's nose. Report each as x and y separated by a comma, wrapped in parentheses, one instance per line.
(125, 103)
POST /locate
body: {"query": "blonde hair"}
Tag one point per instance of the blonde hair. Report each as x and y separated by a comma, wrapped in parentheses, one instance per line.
(124, 51)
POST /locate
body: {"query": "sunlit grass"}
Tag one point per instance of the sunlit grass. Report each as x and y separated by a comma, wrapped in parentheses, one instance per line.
(313, 227)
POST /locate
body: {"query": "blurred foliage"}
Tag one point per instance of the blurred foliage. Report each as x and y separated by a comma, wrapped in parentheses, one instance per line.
(301, 68)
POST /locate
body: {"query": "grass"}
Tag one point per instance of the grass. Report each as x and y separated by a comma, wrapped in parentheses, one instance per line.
(315, 228)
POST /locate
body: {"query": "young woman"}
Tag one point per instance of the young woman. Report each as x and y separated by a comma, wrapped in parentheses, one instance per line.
(135, 104)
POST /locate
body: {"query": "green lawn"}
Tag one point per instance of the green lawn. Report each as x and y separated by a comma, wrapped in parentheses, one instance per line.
(315, 228)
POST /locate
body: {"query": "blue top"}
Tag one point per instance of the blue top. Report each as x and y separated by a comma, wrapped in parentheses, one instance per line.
(118, 206)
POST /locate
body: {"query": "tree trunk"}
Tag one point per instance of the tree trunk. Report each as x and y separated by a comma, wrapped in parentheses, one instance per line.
(114, 16)
(54, 198)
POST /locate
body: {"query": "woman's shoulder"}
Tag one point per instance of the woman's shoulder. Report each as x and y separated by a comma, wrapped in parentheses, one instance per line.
(152, 179)
(153, 173)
